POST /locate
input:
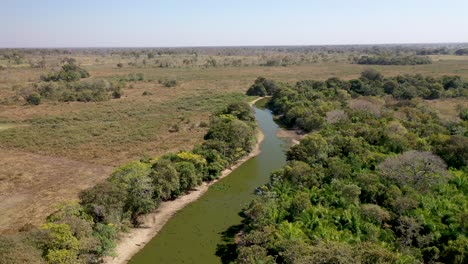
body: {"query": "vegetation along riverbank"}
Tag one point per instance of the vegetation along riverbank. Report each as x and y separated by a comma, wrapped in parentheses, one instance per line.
(89, 229)
(380, 177)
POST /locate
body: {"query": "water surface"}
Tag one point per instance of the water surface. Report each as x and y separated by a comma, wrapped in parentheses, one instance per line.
(193, 234)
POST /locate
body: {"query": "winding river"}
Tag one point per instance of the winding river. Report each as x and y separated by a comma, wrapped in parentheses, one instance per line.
(194, 233)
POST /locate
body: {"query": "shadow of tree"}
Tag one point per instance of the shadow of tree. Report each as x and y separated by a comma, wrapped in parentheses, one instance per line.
(227, 250)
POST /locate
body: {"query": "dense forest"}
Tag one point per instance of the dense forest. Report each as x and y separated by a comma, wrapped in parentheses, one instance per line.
(85, 231)
(380, 178)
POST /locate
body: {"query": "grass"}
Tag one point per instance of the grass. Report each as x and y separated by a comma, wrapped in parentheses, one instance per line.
(123, 128)
(7, 126)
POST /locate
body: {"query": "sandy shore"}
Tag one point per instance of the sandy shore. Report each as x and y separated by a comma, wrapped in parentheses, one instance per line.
(293, 136)
(132, 242)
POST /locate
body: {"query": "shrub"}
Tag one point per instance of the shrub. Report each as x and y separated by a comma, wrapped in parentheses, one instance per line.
(463, 114)
(33, 99)
(117, 93)
(170, 83)
(70, 72)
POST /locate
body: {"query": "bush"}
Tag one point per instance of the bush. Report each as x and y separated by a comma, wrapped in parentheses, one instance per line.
(117, 93)
(33, 99)
(463, 114)
(170, 83)
(70, 72)
(454, 151)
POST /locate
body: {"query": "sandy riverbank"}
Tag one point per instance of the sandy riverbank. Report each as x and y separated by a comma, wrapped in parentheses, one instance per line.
(133, 241)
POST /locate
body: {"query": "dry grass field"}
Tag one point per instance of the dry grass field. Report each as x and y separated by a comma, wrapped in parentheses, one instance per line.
(50, 152)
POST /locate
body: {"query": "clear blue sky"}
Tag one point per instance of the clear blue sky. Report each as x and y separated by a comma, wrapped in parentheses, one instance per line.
(145, 23)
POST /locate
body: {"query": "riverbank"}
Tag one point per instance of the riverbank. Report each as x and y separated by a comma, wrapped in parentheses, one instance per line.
(130, 243)
(292, 136)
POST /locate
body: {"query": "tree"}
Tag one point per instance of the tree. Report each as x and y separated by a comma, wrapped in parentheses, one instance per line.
(188, 176)
(312, 149)
(371, 75)
(262, 87)
(139, 198)
(165, 180)
(241, 110)
(106, 235)
(233, 137)
(105, 202)
(254, 255)
(300, 174)
(454, 151)
(59, 245)
(420, 170)
(127, 172)
(375, 213)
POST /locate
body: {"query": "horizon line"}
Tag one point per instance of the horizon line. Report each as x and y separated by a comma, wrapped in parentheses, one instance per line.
(238, 46)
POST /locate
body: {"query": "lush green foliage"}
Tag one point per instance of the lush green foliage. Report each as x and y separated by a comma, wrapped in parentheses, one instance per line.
(84, 232)
(95, 90)
(366, 185)
(393, 60)
(70, 72)
(262, 87)
(65, 86)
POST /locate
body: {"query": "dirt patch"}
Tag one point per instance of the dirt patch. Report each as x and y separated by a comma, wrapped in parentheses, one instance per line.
(31, 184)
(292, 136)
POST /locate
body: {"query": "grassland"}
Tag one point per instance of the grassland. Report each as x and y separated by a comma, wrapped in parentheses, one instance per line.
(53, 151)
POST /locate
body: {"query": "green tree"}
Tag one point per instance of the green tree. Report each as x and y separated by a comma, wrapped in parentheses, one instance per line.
(165, 180)
(59, 245)
(105, 202)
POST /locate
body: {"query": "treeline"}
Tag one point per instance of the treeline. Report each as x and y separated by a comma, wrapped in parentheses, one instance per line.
(85, 231)
(370, 83)
(461, 52)
(66, 86)
(376, 181)
(393, 60)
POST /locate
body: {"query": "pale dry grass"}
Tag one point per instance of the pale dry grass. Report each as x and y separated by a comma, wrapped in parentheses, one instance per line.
(31, 185)
(448, 109)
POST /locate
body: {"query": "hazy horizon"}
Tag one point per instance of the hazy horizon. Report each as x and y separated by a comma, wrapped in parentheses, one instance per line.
(239, 46)
(209, 23)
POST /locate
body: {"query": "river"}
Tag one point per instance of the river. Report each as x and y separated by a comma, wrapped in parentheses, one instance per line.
(194, 233)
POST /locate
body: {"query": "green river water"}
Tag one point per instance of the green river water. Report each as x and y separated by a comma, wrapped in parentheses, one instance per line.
(194, 234)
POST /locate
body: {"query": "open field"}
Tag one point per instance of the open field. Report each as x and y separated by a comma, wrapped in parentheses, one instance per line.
(52, 151)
